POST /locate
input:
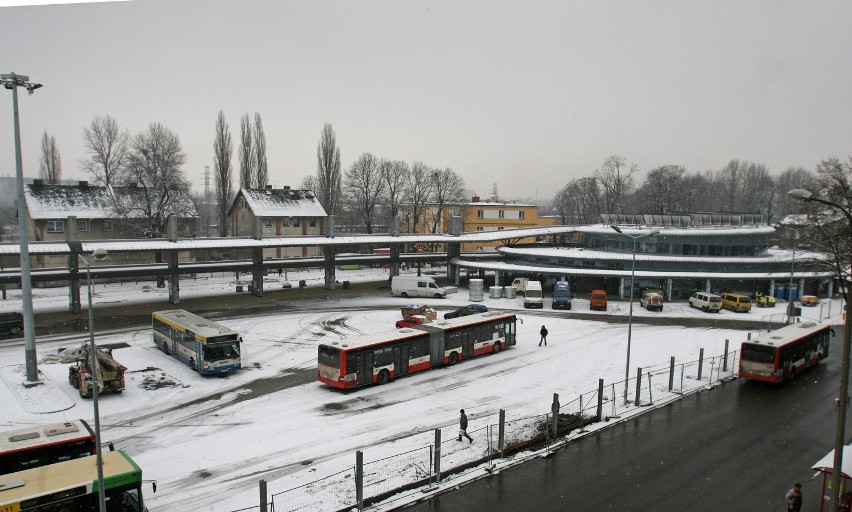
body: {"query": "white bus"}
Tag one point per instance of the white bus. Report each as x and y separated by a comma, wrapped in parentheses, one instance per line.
(207, 347)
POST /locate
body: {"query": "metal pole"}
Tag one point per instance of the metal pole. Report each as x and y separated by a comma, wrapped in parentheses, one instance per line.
(790, 291)
(629, 324)
(842, 404)
(23, 237)
(94, 372)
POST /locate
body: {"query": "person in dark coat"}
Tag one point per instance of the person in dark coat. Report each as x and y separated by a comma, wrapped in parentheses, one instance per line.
(463, 427)
(794, 498)
(543, 333)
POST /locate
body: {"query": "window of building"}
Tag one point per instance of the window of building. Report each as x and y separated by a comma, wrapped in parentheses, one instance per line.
(480, 228)
(107, 224)
(521, 214)
(501, 214)
(56, 226)
(82, 225)
(480, 214)
(285, 222)
(313, 222)
(295, 222)
(267, 222)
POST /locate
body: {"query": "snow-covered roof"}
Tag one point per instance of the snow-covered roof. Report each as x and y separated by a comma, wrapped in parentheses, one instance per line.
(286, 202)
(678, 231)
(84, 201)
(582, 253)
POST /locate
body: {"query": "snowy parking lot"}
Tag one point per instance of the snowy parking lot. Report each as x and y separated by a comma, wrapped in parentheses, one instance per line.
(208, 440)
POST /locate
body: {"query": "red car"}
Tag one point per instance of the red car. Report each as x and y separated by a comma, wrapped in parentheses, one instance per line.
(412, 321)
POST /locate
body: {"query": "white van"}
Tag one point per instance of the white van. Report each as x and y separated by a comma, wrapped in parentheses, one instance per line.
(533, 296)
(413, 286)
(706, 301)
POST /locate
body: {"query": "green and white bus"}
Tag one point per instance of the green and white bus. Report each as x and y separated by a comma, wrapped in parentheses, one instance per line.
(207, 347)
(72, 486)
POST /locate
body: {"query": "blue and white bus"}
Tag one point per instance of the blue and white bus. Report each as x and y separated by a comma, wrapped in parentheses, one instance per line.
(207, 347)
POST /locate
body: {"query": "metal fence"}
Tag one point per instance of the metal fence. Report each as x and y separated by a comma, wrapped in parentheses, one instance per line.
(499, 436)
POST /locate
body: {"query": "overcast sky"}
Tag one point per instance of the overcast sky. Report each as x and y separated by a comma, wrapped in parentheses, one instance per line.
(525, 95)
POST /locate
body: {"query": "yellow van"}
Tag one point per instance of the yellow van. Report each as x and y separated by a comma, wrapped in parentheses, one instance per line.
(736, 302)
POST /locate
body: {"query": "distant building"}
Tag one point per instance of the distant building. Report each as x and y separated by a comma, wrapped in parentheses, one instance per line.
(477, 216)
(281, 212)
(86, 212)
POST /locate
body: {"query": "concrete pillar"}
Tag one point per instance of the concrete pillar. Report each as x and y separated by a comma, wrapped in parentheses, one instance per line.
(257, 271)
(330, 269)
(393, 267)
(668, 289)
(707, 285)
(174, 277)
(772, 287)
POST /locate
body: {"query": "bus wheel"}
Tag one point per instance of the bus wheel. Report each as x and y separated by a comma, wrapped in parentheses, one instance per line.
(384, 377)
(403, 295)
(497, 347)
(454, 358)
(192, 364)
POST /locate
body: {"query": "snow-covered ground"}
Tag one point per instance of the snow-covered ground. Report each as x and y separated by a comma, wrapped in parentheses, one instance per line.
(208, 441)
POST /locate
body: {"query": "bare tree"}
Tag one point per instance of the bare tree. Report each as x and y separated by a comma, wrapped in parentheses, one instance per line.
(50, 166)
(793, 177)
(223, 149)
(419, 190)
(328, 185)
(261, 170)
(364, 186)
(562, 204)
(107, 147)
(396, 175)
(247, 174)
(155, 167)
(615, 176)
(663, 190)
(758, 190)
(311, 183)
(447, 189)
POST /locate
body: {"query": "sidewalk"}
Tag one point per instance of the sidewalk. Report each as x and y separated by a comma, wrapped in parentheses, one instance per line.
(43, 398)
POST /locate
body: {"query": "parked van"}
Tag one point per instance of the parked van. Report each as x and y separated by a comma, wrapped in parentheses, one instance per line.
(736, 302)
(520, 285)
(706, 301)
(413, 286)
(597, 300)
(533, 295)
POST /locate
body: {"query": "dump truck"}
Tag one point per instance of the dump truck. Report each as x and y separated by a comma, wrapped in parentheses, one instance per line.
(110, 373)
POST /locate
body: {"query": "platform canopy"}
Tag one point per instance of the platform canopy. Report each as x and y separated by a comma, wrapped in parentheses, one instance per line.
(826, 464)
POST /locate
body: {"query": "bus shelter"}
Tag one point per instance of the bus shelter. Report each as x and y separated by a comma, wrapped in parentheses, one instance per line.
(826, 466)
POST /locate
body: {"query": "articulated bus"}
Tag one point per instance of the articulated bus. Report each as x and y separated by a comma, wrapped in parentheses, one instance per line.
(45, 444)
(781, 354)
(207, 347)
(72, 486)
(378, 358)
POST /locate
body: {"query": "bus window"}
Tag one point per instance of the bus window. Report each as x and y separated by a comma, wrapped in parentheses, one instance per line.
(758, 353)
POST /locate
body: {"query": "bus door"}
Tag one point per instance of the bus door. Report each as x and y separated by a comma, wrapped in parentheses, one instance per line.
(436, 348)
(364, 361)
(400, 360)
(468, 340)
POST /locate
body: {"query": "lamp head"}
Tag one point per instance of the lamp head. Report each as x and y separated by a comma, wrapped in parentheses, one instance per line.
(801, 194)
(615, 228)
(99, 254)
(32, 87)
(654, 232)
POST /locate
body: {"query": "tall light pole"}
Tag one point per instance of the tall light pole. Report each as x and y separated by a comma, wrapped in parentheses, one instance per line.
(13, 81)
(98, 255)
(630, 315)
(843, 397)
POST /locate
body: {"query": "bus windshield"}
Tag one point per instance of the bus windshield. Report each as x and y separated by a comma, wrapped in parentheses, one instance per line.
(758, 353)
(216, 351)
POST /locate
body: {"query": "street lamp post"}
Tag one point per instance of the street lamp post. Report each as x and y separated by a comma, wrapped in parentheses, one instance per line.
(630, 314)
(842, 401)
(13, 81)
(97, 255)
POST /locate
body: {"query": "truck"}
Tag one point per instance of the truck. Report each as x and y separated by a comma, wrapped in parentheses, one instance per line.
(562, 295)
(110, 373)
(533, 295)
(414, 286)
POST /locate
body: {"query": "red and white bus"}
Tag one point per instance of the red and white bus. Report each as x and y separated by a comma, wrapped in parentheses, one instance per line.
(45, 444)
(378, 358)
(781, 354)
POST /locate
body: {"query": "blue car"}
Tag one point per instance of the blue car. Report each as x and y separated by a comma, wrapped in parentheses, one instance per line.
(470, 309)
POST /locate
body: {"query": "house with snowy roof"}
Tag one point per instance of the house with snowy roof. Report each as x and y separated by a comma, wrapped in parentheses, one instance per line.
(269, 212)
(87, 212)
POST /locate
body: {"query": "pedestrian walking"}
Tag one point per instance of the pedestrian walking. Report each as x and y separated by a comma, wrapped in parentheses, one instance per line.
(463, 427)
(794, 497)
(543, 333)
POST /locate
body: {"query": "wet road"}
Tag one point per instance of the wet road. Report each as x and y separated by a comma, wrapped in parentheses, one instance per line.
(738, 447)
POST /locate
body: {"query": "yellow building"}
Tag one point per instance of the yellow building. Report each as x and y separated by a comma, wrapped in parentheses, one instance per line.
(477, 216)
